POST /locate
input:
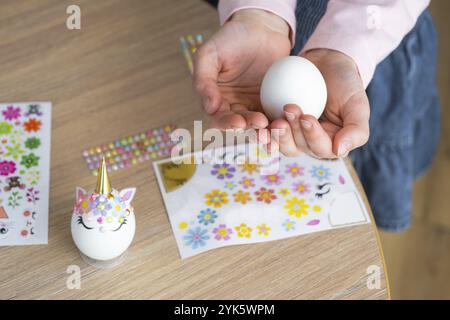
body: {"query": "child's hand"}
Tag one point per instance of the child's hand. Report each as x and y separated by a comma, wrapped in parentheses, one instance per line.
(344, 124)
(229, 68)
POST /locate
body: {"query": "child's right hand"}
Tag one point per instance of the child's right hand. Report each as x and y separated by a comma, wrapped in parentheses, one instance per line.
(229, 68)
(344, 124)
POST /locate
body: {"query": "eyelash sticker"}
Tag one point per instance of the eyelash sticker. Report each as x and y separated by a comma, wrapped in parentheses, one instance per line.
(319, 194)
(80, 221)
(124, 222)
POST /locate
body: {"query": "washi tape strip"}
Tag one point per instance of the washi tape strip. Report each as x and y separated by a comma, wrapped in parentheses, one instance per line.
(126, 152)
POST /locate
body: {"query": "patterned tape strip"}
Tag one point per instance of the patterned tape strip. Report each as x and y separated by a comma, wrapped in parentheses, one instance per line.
(125, 152)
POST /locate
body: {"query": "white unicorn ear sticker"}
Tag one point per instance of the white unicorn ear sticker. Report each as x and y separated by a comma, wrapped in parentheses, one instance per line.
(127, 195)
(346, 209)
(80, 193)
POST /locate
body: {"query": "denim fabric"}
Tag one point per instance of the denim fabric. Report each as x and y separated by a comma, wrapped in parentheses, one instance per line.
(405, 117)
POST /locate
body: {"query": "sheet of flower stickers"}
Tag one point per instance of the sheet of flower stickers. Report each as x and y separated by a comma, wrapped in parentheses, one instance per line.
(24, 172)
(227, 202)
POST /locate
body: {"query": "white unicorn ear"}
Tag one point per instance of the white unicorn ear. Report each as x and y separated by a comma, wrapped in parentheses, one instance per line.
(127, 194)
(80, 192)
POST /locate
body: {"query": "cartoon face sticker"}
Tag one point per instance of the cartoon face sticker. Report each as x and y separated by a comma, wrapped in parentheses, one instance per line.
(5, 224)
(34, 109)
(5, 229)
(103, 226)
(14, 182)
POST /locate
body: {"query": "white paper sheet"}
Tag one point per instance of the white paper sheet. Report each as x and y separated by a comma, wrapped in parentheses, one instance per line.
(212, 205)
(25, 130)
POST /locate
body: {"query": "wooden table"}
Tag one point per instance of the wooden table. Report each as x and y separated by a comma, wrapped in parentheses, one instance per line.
(123, 73)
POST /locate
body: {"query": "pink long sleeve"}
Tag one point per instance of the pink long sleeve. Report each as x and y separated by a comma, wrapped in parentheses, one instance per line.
(367, 31)
(283, 8)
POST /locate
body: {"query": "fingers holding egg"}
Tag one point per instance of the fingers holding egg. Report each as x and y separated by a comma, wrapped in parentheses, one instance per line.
(293, 113)
(283, 136)
(318, 140)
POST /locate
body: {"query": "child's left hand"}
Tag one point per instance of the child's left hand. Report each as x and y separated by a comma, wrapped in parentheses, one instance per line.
(343, 126)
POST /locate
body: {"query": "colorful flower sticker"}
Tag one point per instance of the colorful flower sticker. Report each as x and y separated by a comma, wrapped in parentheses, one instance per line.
(14, 199)
(301, 187)
(216, 198)
(230, 185)
(16, 137)
(284, 192)
(289, 225)
(11, 113)
(294, 170)
(196, 238)
(14, 151)
(263, 229)
(207, 216)
(101, 206)
(320, 172)
(82, 205)
(5, 128)
(273, 179)
(32, 125)
(32, 195)
(222, 232)
(223, 171)
(249, 167)
(33, 177)
(7, 168)
(247, 182)
(265, 195)
(243, 231)
(296, 207)
(32, 143)
(242, 197)
(30, 161)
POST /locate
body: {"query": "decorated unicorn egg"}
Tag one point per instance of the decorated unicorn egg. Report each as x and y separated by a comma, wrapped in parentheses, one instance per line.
(103, 222)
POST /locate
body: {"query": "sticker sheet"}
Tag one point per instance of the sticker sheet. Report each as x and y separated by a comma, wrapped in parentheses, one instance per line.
(128, 151)
(217, 203)
(24, 172)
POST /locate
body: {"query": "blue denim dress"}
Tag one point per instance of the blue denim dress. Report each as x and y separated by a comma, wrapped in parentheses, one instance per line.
(405, 117)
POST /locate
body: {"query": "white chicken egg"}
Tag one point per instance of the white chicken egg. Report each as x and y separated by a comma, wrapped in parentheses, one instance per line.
(293, 80)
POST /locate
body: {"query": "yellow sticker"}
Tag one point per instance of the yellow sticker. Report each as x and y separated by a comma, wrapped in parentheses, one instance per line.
(175, 175)
(183, 225)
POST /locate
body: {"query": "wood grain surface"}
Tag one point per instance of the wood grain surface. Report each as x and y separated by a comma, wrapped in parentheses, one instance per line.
(123, 73)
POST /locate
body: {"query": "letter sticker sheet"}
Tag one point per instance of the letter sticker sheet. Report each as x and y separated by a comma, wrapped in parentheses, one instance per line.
(24, 172)
(221, 203)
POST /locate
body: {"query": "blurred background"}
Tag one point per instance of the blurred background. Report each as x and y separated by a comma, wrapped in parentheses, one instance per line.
(418, 261)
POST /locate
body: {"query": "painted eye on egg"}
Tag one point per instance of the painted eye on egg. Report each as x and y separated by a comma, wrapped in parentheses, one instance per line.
(3, 230)
(80, 221)
(123, 222)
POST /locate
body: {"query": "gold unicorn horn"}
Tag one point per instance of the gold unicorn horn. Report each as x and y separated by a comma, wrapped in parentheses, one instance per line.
(103, 184)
